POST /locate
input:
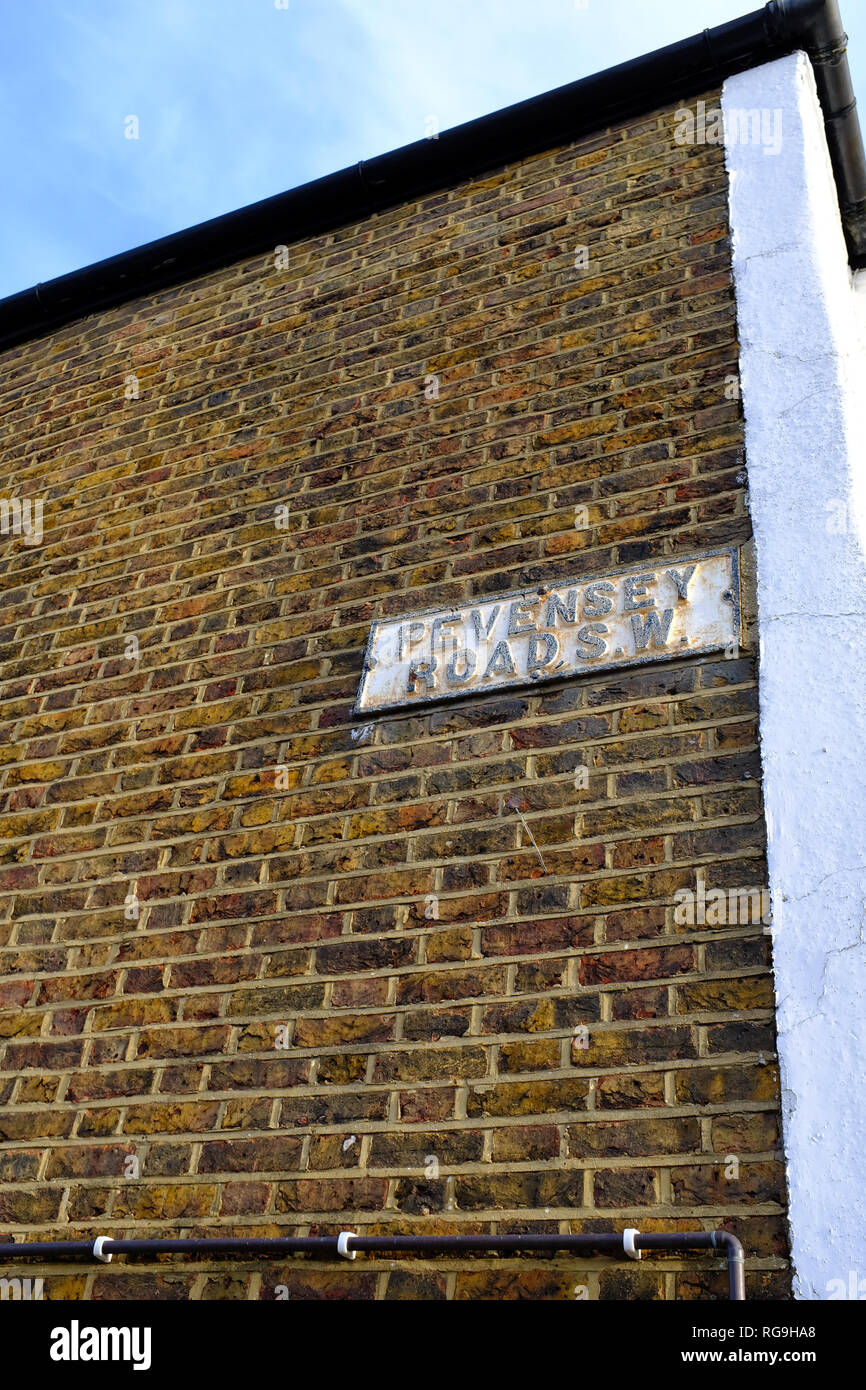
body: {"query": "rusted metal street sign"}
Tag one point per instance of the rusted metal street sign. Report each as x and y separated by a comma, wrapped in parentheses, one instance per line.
(623, 617)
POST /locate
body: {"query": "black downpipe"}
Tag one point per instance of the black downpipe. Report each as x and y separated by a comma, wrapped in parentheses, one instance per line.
(816, 26)
(329, 1247)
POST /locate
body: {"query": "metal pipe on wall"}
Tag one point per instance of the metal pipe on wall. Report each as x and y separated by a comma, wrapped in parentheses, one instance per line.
(348, 1244)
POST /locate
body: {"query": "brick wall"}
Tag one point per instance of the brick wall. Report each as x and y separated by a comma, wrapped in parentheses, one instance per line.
(347, 993)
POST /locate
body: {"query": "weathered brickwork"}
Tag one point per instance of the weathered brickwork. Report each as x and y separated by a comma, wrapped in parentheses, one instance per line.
(268, 969)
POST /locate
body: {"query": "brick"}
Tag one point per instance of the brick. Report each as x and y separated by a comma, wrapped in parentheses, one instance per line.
(624, 1187)
(244, 1198)
(712, 1085)
(245, 1073)
(449, 1147)
(165, 1202)
(634, 1138)
(752, 1132)
(529, 1056)
(429, 1064)
(90, 1161)
(714, 996)
(624, 1092)
(516, 1143)
(271, 1155)
(533, 937)
(436, 1023)
(527, 1098)
(406, 1287)
(346, 1028)
(523, 1284)
(331, 1194)
(329, 1151)
(417, 1107)
(641, 1003)
(707, 1184)
(315, 1287)
(650, 964)
(435, 986)
(632, 1047)
(170, 1119)
(25, 1208)
(364, 955)
(345, 1107)
(627, 1286)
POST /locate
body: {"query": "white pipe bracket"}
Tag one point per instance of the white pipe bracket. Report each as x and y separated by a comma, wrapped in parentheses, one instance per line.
(99, 1251)
(628, 1236)
(343, 1246)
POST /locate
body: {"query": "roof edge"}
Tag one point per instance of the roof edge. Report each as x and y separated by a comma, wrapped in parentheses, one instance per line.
(629, 89)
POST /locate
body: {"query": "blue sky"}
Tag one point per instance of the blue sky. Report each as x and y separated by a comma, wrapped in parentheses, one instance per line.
(240, 99)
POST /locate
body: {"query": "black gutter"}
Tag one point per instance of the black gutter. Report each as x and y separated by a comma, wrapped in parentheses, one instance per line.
(670, 74)
(347, 1245)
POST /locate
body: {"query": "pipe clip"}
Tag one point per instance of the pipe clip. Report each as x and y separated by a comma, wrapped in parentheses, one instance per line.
(342, 1245)
(98, 1250)
(628, 1236)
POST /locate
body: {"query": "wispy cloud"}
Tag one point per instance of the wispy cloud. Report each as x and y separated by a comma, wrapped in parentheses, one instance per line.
(237, 101)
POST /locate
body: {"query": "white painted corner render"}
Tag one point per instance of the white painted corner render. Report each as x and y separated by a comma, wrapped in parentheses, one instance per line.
(802, 329)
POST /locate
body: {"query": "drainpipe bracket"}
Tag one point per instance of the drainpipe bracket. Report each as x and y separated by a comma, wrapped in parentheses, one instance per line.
(833, 53)
(342, 1245)
(628, 1236)
(99, 1252)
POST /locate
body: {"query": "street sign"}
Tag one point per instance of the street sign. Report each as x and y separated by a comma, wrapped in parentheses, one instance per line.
(574, 627)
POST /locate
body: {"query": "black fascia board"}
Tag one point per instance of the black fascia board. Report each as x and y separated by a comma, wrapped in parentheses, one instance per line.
(580, 108)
